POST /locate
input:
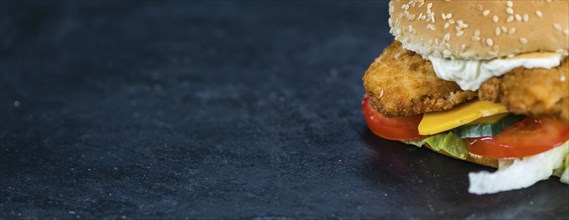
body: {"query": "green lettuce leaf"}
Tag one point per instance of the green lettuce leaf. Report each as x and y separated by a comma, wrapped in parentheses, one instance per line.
(447, 142)
(564, 166)
(521, 172)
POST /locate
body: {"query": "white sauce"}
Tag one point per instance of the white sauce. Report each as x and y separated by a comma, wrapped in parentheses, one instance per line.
(470, 74)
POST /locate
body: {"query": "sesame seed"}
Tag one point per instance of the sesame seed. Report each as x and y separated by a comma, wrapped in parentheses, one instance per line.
(413, 2)
(477, 32)
(447, 45)
(446, 53)
(479, 7)
(447, 37)
(437, 53)
(431, 27)
(446, 16)
(518, 17)
(526, 17)
(557, 27)
(486, 12)
(504, 29)
(495, 19)
(451, 21)
(512, 30)
(489, 42)
(430, 5)
(539, 13)
(510, 4)
(497, 31)
(510, 11)
(510, 19)
(463, 47)
(566, 32)
(460, 33)
(523, 40)
(447, 25)
(475, 38)
(496, 48)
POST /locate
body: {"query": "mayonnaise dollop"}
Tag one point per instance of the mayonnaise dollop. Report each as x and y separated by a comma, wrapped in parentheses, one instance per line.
(470, 74)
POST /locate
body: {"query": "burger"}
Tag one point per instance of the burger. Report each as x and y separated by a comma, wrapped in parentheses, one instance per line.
(481, 81)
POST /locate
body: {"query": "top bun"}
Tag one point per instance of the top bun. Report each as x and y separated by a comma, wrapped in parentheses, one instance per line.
(480, 30)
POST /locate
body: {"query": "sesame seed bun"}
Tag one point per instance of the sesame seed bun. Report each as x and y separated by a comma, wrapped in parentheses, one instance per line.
(480, 30)
(485, 161)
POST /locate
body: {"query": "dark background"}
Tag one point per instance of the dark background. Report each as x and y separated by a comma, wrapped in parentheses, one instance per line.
(119, 109)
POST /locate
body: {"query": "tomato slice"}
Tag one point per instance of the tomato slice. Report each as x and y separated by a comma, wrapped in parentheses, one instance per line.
(528, 137)
(402, 128)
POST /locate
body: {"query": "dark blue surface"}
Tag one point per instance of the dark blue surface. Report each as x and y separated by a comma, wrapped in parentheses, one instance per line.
(178, 109)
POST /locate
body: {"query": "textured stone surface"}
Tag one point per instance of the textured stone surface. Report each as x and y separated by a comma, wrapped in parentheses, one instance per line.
(187, 109)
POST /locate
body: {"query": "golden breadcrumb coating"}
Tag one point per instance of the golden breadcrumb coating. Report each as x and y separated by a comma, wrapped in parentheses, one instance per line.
(401, 83)
(538, 92)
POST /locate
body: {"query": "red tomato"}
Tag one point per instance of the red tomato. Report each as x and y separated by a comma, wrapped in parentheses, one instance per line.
(528, 137)
(403, 128)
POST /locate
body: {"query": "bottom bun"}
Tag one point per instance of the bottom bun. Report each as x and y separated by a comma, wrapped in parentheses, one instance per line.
(485, 161)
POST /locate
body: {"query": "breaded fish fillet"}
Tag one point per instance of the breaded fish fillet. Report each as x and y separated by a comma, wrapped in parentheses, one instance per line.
(401, 83)
(538, 92)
